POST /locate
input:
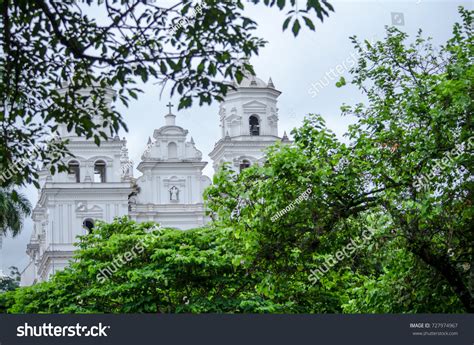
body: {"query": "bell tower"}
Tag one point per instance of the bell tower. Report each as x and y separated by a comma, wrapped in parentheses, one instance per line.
(172, 183)
(249, 123)
(95, 187)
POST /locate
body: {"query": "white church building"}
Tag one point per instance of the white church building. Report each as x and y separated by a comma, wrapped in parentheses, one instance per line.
(100, 184)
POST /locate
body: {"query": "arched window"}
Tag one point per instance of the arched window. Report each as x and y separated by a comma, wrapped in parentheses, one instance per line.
(254, 125)
(244, 165)
(99, 171)
(75, 170)
(88, 224)
(172, 150)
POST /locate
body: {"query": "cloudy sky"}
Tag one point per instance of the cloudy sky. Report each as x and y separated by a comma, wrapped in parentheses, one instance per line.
(294, 64)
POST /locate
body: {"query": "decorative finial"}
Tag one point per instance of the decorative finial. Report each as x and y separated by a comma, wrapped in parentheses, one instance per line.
(124, 152)
(149, 141)
(169, 105)
(285, 137)
(192, 140)
(270, 83)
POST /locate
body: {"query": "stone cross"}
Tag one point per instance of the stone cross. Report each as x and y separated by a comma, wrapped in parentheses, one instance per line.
(169, 105)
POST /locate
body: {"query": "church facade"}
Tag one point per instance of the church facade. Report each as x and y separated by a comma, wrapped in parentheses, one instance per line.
(100, 184)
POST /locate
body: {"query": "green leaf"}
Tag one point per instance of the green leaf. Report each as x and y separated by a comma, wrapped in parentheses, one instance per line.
(296, 27)
(286, 23)
(309, 23)
(341, 82)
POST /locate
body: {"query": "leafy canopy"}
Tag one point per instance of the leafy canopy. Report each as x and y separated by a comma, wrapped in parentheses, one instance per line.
(419, 258)
(53, 50)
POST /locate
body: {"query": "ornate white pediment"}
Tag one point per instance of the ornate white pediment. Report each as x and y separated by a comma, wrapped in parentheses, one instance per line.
(169, 131)
(254, 106)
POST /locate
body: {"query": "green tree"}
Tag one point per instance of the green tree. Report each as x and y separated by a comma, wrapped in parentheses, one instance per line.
(48, 45)
(10, 282)
(14, 207)
(125, 267)
(416, 134)
(417, 125)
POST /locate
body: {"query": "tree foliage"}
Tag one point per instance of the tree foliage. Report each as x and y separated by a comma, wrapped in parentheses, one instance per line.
(14, 207)
(417, 135)
(192, 271)
(10, 282)
(405, 174)
(409, 159)
(53, 50)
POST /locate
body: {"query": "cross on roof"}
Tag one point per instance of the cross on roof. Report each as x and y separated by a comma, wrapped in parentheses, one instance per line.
(169, 105)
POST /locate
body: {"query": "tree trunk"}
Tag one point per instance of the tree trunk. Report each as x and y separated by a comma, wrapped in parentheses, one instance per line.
(449, 272)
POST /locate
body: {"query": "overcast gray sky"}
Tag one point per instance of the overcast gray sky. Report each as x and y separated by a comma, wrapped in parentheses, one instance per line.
(294, 65)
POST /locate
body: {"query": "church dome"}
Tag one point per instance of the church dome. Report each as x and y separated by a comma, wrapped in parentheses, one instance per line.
(252, 81)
